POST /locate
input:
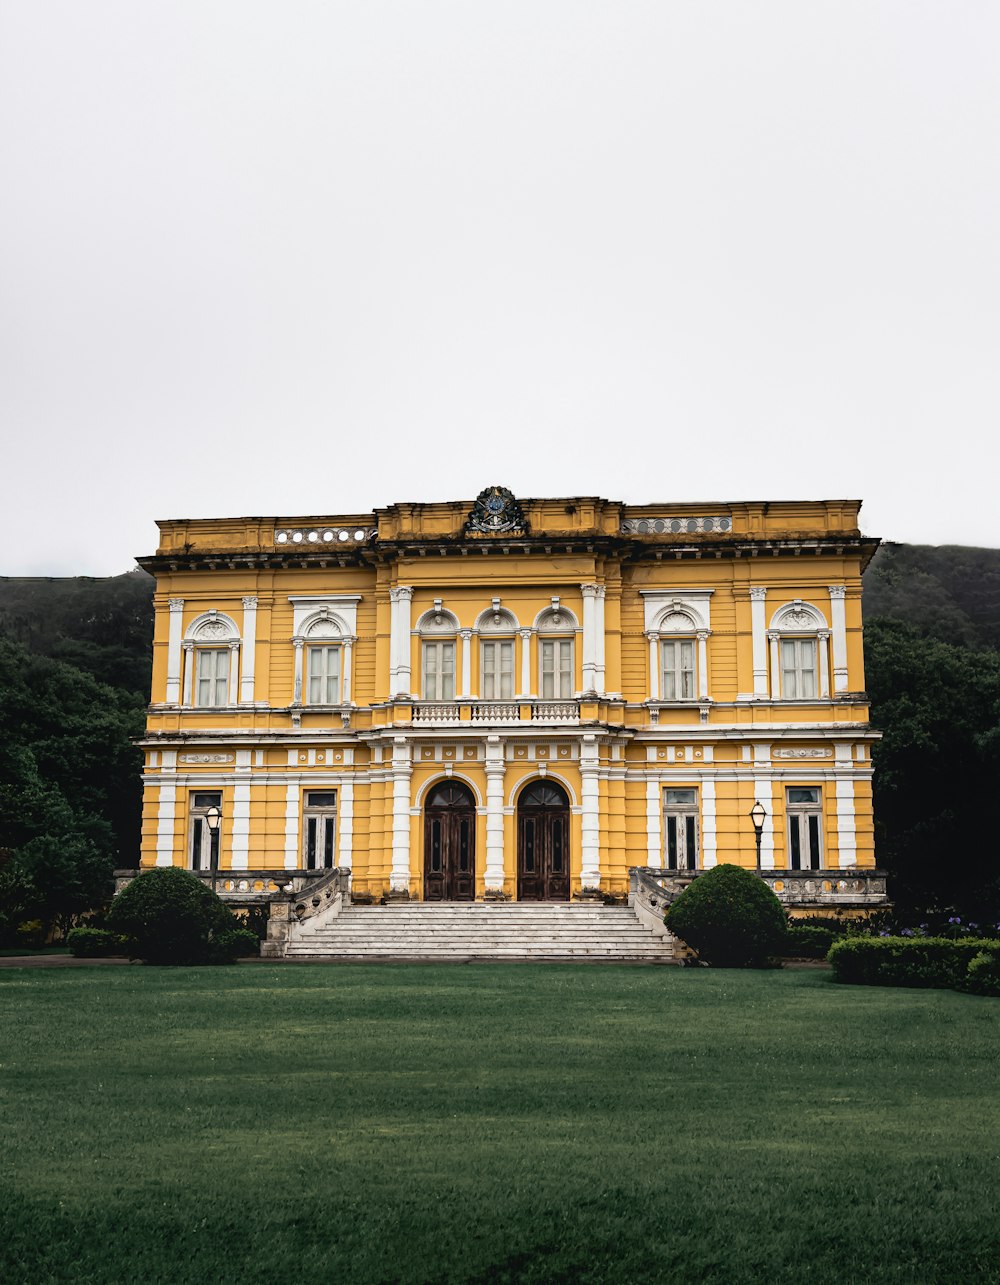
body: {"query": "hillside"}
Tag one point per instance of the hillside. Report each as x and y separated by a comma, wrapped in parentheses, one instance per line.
(949, 592)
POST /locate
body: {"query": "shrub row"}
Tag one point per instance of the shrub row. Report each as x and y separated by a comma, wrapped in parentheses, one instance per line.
(95, 943)
(968, 964)
(809, 941)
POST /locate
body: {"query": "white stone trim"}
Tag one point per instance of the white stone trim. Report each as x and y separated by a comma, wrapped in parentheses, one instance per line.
(345, 811)
(659, 603)
(708, 823)
(176, 609)
(838, 619)
(465, 635)
(654, 823)
(763, 789)
(758, 629)
(402, 771)
(239, 858)
(525, 636)
(400, 599)
(249, 648)
(291, 822)
(342, 608)
(590, 871)
(165, 816)
(847, 838)
(495, 775)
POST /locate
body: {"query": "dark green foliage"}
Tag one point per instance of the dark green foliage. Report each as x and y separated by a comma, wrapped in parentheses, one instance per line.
(171, 917)
(233, 944)
(936, 769)
(808, 941)
(102, 626)
(94, 943)
(730, 917)
(948, 592)
(983, 975)
(906, 961)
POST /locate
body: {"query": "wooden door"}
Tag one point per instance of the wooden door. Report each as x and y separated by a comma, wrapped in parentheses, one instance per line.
(450, 844)
(543, 843)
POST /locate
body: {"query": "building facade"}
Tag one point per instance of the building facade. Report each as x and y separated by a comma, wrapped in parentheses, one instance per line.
(506, 698)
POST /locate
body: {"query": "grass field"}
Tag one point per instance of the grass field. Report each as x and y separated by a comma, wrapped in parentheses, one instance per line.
(516, 1123)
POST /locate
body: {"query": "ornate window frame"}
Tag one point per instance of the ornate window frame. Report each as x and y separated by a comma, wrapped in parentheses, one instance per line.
(434, 628)
(800, 621)
(213, 631)
(495, 626)
(555, 624)
(330, 620)
(671, 616)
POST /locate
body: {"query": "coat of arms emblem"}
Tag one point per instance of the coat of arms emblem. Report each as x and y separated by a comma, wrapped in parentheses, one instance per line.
(496, 512)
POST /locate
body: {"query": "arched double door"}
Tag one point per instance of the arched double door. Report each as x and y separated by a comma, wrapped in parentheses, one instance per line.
(543, 843)
(450, 843)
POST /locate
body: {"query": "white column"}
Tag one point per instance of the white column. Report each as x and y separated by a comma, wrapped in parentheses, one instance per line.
(708, 829)
(525, 636)
(823, 662)
(234, 672)
(775, 666)
(495, 769)
(345, 687)
(402, 770)
(240, 850)
(166, 812)
(590, 873)
(654, 824)
(838, 619)
(393, 642)
(847, 838)
(188, 671)
(291, 826)
(466, 689)
(703, 664)
(758, 627)
(298, 644)
(654, 666)
(345, 846)
(173, 692)
(401, 623)
(249, 648)
(599, 638)
(589, 638)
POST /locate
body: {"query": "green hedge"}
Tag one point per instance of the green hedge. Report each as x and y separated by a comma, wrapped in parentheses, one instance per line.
(983, 976)
(95, 943)
(808, 941)
(910, 961)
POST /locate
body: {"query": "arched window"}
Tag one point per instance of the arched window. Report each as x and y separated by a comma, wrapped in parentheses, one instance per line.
(211, 647)
(497, 629)
(799, 638)
(678, 653)
(322, 642)
(556, 628)
(438, 630)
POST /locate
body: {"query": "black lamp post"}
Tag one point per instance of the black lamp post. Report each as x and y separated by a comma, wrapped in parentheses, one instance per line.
(213, 819)
(757, 815)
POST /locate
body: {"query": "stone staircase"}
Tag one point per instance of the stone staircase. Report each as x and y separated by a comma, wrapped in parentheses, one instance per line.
(465, 932)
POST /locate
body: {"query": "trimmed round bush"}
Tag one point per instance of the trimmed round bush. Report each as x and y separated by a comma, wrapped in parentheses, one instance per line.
(983, 975)
(171, 917)
(730, 917)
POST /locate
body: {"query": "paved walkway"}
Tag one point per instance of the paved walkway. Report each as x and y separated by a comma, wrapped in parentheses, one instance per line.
(54, 961)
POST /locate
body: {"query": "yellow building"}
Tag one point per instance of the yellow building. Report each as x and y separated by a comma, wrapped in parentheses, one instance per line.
(507, 699)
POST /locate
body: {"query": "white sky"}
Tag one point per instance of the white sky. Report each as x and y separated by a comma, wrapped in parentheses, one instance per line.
(312, 257)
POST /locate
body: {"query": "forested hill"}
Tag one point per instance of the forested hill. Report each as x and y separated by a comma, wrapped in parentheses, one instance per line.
(103, 626)
(949, 591)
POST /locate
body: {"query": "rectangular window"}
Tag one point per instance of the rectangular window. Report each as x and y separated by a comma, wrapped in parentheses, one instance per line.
(439, 671)
(556, 660)
(677, 664)
(203, 842)
(680, 829)
(805, 827)
(324, 676)
(497, 679)
(212, 685)
(798, 668)
(320, 830)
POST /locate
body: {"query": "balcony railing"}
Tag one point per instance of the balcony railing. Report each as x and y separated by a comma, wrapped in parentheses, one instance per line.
(652, 888)
(496, 712)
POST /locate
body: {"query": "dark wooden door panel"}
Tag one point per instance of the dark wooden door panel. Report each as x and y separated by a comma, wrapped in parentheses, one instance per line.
(450, 854)
(543, 844)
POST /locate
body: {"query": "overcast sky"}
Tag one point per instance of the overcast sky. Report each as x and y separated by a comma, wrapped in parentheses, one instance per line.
(312, 257)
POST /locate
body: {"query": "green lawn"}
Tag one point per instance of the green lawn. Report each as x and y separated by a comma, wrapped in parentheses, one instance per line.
(518, 1123)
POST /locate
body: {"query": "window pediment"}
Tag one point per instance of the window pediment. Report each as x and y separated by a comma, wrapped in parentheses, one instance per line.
(798, 617)
(213, 627)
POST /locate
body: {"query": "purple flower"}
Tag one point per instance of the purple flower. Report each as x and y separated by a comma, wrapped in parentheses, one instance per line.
(885, 933)
(906, 932)
(955, 920)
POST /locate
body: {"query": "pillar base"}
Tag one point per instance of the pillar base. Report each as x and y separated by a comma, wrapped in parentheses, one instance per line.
(398, 894)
